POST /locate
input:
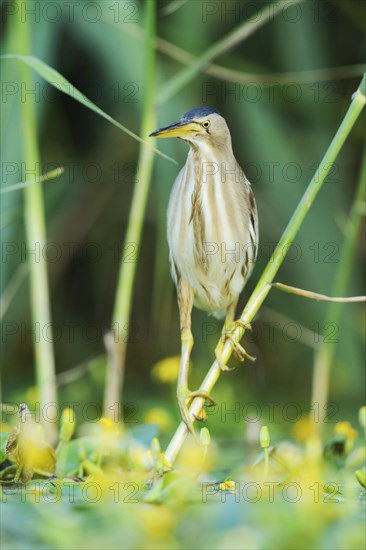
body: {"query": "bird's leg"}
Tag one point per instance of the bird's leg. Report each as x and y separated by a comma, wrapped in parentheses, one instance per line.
(228, 333)
(184, 395)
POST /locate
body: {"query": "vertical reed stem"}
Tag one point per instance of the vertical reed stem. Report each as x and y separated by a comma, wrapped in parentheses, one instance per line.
(123, 301)
(325, 354)
(35, 228)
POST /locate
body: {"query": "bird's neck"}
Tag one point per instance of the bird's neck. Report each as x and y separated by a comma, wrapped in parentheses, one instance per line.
(208, 161)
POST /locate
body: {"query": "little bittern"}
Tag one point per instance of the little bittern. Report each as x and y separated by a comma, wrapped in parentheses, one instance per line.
(212, 233)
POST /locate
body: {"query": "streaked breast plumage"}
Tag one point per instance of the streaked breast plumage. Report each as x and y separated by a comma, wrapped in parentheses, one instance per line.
(213, 247)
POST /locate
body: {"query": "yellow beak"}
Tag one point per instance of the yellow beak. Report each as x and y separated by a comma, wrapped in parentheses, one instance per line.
(178, 129)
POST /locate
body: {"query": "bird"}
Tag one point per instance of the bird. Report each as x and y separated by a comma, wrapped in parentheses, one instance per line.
(212, 230)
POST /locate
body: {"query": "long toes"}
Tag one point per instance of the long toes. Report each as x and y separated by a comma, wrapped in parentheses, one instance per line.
(188, 422)
(240, 323)
(238, 350)
(221, 363)
(201, 416)
(204, 395)
(241, 354)
(229, 369)
(251, 358)
(184, 413)
(190, 426)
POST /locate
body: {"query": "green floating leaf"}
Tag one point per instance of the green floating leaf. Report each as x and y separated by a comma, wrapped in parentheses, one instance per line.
(69, 458)
(59, 82)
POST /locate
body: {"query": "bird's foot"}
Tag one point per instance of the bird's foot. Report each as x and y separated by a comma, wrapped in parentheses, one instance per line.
(240, 353)
(218, 354)
(185, 398)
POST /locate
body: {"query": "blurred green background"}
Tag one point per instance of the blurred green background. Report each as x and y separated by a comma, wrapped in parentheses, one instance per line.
(281, 126)
(284, 91)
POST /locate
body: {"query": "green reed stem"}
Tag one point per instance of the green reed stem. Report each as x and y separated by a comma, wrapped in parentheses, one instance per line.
(324, 356)
(35, 228)
(264, 285)
(116, 348)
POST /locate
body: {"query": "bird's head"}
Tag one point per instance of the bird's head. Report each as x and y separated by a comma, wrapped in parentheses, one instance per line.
(198, 126)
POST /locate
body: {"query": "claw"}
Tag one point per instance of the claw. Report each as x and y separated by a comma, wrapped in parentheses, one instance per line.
(184, 399)
(202, 394)
(246, 326)
(184, 413)
(218, 354)
(240, 353)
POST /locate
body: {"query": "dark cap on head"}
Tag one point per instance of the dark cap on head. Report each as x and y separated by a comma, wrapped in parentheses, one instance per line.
(199, 112)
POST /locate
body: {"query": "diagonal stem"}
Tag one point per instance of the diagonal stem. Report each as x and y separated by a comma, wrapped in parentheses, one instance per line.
(233, 75)
(240, 33)
(264, 285)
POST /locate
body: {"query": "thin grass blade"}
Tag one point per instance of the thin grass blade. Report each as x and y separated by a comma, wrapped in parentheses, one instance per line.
(57, 80)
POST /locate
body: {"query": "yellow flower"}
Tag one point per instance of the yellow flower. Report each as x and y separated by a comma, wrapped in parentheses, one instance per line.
(304, 429)
(28, 449)
(159, 417)
(109, 434)
(158, 523)
(166, 370)
(194, 457)
(228, 485)
(108, 424)
(345, 429)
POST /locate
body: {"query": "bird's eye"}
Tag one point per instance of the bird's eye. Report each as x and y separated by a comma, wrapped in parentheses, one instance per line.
(205, 124)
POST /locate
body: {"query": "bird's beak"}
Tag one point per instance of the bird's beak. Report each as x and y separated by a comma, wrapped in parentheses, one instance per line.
(178, 129)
